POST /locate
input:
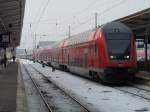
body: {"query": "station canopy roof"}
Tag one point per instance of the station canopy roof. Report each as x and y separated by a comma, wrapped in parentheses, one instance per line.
(11, 19)
(139, 22)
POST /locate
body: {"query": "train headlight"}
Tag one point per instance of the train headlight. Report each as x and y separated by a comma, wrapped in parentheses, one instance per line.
(127, 57)
(112, 57)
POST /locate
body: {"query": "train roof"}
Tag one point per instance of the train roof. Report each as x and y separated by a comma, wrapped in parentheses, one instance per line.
(79, 38)
(115, 27)
(88, 35)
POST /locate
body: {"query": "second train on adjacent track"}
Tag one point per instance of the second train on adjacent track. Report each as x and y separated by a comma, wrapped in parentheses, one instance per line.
(107, 53)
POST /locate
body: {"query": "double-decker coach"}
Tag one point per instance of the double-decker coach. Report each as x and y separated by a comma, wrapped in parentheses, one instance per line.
(106, 53)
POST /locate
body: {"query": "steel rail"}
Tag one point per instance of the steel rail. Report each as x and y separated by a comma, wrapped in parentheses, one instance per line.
(44, 100)
(136, 86)
(85, 109)
(112, 87)
(138, 95)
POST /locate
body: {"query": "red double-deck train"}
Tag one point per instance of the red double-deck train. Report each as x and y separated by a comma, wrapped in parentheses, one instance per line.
(106, 53)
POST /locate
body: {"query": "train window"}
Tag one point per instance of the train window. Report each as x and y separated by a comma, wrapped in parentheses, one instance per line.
(85, 59)
(95, 48)
(90, 50)
(140, 43)
(118, 45)
(120, 36)
(68, 58)
(140, 46)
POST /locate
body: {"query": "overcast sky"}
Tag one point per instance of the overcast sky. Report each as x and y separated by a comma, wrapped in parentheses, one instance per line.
(49, 19)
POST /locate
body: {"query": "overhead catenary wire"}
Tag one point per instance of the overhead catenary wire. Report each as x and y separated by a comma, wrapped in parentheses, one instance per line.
(42, 13)
(31, 24)
(91, 18)
(82, 23)
(99, 14)
(82, 11)
(37, 14)
(40, 16)
(113, 6)
(76, 14)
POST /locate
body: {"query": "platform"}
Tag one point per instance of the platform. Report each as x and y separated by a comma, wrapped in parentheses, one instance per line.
(12, 95)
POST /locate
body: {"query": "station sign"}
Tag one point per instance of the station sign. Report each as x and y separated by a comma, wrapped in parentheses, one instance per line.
(4, 39)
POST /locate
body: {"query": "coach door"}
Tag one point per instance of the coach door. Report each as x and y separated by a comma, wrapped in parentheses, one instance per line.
(68, 58)
(85, 57)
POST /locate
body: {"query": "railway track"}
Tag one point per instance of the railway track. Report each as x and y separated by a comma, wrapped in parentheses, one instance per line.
(140, 86)
(37, 88)
(130, 88)
(50, 109)
(127, 99)
(135, 90)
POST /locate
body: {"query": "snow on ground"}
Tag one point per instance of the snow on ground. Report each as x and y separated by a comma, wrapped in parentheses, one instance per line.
(58, 101)
(97, 97)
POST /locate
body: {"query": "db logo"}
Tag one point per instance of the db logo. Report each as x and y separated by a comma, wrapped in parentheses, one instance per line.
(120, 65)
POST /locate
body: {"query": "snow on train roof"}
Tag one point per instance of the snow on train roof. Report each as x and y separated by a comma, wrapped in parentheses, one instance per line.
(78, 38)
(56, 45)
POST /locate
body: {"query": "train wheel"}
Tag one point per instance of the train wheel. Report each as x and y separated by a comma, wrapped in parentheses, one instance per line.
(94, 76)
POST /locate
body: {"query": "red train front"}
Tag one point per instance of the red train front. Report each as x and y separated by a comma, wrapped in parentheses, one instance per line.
(117, 52)
(107, 53)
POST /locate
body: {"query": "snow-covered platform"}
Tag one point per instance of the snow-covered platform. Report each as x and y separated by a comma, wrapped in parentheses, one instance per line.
(96, 97)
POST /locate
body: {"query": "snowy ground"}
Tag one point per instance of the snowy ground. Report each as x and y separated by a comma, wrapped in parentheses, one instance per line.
(57, 99)
(136, 91)
(34, 101)
(97, 97)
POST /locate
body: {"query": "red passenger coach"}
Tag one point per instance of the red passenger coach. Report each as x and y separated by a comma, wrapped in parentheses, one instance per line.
(106, 54)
